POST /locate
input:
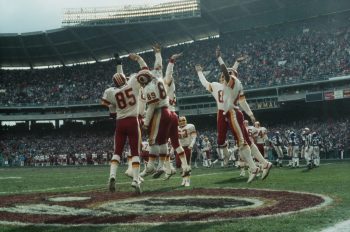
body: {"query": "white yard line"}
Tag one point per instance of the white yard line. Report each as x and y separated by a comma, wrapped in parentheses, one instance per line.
(99, 185)
(339, 227)
(10, 177)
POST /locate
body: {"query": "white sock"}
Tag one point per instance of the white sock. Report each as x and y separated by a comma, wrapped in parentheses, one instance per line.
(257, 155)
(114, 166)
(182, 157)
(135, 162)
(246, 155)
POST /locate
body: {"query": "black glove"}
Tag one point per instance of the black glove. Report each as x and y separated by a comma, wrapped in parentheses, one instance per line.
(117, 58)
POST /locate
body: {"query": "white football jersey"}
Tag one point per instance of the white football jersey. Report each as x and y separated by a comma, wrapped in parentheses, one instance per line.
(206, 145)
(155, 93)
(187, 135)
(217, 90)
(260, 135)
(124, 98)
(232, 91)
(252, 132)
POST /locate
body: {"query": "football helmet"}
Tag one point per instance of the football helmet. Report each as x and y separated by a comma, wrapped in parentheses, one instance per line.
(144, 77)
(257, 124)
(119, 79)
(182, 121)
(246, 123)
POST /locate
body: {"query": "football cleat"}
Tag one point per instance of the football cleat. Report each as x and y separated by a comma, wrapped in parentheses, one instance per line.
(252, 175)
(183, 182)
(111, 185)
(147, 171)
(242, 174)
(137, 186)
(168, 175)
(186, 171)
(128, 173)
(187, 183)
(158, 173)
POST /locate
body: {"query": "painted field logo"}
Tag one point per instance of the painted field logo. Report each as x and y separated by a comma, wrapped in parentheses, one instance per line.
(178, 206)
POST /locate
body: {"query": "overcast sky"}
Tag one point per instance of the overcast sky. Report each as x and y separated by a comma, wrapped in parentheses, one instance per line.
(19, 16)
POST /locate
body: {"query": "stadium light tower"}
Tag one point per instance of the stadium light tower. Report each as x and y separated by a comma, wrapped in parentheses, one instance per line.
(131, 14)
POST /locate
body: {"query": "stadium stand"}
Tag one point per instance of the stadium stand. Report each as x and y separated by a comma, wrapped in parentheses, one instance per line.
(279, 55)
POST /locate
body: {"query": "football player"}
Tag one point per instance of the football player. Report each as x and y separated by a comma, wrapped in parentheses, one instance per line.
(187, 135)
(123, 97)
(217, 90)
(233, 93)
(316, 143)
(294, 143)
(260, 137)
(158, 118)
(173, 133)
(206, 147)
(253, 133)
(277, 143)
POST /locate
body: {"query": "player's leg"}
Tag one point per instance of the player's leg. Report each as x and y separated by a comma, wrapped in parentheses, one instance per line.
(221, 140)
(234, 120)
(153, 131)
(119, 141)
(134, 136)
(266, 165)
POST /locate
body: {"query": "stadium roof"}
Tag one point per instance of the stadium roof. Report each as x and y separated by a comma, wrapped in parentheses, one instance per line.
(94, 43)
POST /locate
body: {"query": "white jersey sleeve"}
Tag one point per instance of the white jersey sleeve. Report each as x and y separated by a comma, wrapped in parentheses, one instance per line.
(232, 91)
(108, 97)
(204, 81)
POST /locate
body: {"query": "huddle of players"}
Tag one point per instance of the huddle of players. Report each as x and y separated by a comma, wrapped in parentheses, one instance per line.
(129, 96)
(306, 144)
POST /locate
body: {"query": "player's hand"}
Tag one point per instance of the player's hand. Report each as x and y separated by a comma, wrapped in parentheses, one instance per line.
(252, 118)
(156, 48)
(175, 56)
(242, 58)
(218, 52)
(198, 68)
(134, 56)
(117, 58)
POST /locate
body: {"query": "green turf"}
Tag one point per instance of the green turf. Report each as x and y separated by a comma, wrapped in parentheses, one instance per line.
(331, 179)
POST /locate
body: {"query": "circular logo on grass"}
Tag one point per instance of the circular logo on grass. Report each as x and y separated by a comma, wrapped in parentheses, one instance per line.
(195, 205)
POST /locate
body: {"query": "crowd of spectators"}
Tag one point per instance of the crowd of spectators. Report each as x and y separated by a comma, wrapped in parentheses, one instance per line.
(86, 140)
(282, 54)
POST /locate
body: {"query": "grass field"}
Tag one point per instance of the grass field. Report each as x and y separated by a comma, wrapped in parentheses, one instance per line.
(331, 179)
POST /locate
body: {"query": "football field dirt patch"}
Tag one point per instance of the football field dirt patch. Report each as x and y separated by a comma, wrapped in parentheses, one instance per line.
(196, 205)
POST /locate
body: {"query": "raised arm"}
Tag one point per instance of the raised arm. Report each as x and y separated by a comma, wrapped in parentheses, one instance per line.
(119, 64)
(142, 63)
(239, 61)
(222, 65)
(168, 79)
(202, 78)
(158, 63)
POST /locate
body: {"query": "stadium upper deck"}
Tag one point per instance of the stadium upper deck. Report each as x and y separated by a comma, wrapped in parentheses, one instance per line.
(66, 46)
